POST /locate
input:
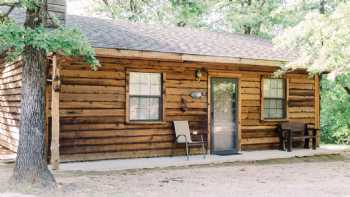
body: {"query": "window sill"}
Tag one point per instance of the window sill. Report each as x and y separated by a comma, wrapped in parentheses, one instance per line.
(275, 120)
(145, 122)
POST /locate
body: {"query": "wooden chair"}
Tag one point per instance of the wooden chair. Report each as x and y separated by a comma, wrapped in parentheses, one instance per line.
(183, 136)
(294, 131)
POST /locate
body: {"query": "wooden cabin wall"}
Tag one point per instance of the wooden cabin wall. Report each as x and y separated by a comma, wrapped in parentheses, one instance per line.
(92, 108)
(258, 134)
(10, 95)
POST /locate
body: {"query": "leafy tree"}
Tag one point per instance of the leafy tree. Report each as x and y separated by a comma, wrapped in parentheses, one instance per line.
(322, 41)
(170, 12)
(253, 17)
(34, 42)
(335, 111)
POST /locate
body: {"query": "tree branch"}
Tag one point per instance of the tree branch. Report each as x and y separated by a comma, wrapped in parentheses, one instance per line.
(12, 7)
(106, 2)
(347, 89)
(9, 4)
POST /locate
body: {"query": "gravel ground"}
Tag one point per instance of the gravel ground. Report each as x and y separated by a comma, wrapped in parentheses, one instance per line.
(317, 176)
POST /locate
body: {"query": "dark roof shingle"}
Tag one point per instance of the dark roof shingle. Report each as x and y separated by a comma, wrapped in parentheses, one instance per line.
(117, 34)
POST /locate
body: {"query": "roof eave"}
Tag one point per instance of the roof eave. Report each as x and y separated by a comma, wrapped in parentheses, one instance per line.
(153, 55)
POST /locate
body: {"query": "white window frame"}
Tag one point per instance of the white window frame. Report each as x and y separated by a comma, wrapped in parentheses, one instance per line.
(284, 100)
(161, 97)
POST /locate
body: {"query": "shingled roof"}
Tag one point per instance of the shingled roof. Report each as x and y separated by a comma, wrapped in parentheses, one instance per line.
(118, 34)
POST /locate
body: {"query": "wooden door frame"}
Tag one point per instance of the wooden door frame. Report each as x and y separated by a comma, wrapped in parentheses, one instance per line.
(228, 75)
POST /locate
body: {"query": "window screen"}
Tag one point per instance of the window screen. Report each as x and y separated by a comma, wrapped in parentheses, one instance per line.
(145, 96)
(274, 98)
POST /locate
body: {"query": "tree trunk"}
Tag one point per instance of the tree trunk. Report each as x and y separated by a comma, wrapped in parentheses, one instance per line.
(322, 7)
(31, 164)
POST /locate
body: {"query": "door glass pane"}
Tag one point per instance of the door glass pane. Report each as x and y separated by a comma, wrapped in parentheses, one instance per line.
(224, 128)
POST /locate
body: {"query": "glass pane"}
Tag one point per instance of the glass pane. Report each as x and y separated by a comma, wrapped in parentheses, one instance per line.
(273, 108)
(143, 108)
(266, 87)
(145, 84)
(273, 88)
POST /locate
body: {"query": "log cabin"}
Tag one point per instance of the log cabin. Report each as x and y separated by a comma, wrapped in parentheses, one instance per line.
(151, 75)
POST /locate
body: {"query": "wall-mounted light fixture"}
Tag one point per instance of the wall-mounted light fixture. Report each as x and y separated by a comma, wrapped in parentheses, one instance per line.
(198, 74)
(196, 95)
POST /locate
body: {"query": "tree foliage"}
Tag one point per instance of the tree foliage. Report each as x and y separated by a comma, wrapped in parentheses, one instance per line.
(66, 41)
(335, 111)
(322, 41)
(257, 17)
(169, 12)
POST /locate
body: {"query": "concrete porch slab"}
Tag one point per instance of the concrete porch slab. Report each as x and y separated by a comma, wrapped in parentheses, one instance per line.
(163, 162)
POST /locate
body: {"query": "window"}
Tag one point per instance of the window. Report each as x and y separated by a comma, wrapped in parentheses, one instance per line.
(274, 98)
(145, 96)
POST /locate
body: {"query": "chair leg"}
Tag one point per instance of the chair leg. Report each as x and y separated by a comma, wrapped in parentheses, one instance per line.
(283, 141)
(307, 143)
(290, 143)
(188, 158)
(314, 141)
(281, 138)
(203, 148)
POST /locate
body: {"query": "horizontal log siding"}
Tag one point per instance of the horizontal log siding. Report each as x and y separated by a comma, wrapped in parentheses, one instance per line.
(257, 134)
(93, 108)
(10, 94)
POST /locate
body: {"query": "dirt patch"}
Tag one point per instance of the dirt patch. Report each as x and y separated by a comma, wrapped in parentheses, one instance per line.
(310, 176)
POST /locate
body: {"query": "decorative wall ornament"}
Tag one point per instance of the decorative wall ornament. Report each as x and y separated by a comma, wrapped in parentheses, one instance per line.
(183, 105)
(198, 74)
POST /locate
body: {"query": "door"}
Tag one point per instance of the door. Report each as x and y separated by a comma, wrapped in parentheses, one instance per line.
(224, 96)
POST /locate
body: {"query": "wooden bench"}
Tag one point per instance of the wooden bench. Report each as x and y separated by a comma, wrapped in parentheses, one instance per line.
(296, 131)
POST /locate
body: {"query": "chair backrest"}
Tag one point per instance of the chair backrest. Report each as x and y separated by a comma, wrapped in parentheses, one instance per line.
(182, 128)
(294, 126)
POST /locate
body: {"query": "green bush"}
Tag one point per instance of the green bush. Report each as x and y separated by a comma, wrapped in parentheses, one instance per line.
(335, 111)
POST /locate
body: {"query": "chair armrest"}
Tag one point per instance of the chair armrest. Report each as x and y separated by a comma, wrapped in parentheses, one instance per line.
(286, 130)
(313, 128)
(194, 132)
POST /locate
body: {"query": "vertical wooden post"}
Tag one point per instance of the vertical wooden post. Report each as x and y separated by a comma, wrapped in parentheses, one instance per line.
(55, 115)
(47, 110)
(209, 114)
(238, 114)
(317, 107)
